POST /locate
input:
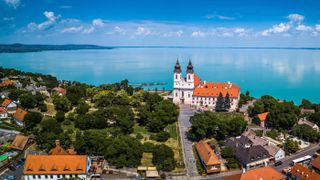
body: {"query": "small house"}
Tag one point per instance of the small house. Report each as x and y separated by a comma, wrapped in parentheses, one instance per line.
(208, 158)
(19, 116)
(3, 113)
(262, 118)
(9, 105)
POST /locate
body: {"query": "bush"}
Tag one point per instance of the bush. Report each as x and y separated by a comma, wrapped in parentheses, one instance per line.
(43, 107)
(139, 136)
(60, 116)
(161, 136)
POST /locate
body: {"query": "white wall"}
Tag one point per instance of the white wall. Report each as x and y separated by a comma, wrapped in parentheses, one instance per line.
(53, 177)
(4, 115)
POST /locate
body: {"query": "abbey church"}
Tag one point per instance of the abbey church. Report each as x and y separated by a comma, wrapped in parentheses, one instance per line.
(201, 94)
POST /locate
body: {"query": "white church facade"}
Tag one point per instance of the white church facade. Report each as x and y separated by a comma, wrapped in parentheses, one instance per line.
(201, 94)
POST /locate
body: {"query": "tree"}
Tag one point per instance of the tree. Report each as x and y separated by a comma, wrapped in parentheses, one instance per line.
(163, 158)
(161, 136)
(75, 93)
(291, 146)
(305, 132)
(60, 116)
(32, 119)
(315, 117)
(27, 100)
(227, 102)
(61, 103)
(306, 104)
(220, 103)
(82, 107)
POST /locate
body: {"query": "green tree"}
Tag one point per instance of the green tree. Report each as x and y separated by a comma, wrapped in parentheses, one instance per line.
(60, 116)
(315, 117)
(61, 103)
(32, 119)
(82, 107)
(305, 132)
(163, 158)
(161, 136)
(220, 103)
(291, 146)
(227, 102)
(75, 93)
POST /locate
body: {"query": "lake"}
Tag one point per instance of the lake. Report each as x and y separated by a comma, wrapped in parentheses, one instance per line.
(290, 74)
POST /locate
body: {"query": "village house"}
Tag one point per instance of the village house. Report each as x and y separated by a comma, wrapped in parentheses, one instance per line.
(263, 173)
(9, 105)
(307, 111)
(59, 90)
(20, 142)
(19, 116)
(301, 172)
(6, 83)
(3, 113)
(58, 150)
(276, 152)
(262, 119)
(304, 120)
(208, 158)
(191, 90)
(42, 167)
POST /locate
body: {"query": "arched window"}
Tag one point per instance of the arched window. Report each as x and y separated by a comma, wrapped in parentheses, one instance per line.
(189, 77)
(176, 76)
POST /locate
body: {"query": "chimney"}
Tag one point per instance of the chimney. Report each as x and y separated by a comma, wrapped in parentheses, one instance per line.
(57, 142)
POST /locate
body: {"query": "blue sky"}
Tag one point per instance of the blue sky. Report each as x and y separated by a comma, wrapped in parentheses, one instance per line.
(281, 23)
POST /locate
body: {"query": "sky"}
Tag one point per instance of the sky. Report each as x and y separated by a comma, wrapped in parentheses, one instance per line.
(216, 23)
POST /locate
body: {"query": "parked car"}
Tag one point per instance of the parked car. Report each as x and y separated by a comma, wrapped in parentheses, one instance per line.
(278, 163)
(10, 178)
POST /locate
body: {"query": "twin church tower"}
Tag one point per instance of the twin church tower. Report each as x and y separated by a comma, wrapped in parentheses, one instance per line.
(191, 90)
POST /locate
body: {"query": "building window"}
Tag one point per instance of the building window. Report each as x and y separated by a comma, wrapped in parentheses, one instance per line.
(51, 176)
(39, 176)
(189, 77)
(176, 76)
(58, 176)
(176, 94)
(188, 95)
(33, 176)
(46, 176)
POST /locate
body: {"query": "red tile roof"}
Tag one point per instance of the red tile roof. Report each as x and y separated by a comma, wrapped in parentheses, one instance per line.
(316, 162)
(20, 114)
(6, 83)
(197, 80)
(2, 110)
(213, 89)
(264, 173)
(60, 90)
(206, 153)
(304, 173)
(20, 142)
(263, 116)
(58, 164)
(6, 102)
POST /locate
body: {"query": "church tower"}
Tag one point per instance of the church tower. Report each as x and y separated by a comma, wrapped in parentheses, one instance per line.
(190, 74)
(177, 72)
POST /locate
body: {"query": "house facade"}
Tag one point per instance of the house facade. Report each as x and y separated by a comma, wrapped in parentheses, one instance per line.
(191, 90)
(9, 105)
(208, 158)
(54, 167)
(3, 113)
(19, 116)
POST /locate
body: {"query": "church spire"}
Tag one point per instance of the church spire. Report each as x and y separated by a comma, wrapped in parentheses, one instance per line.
(190, 67)
(177, 67)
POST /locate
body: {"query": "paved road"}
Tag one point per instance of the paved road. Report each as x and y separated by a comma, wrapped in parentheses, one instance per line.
(309, 151)
(184, 124)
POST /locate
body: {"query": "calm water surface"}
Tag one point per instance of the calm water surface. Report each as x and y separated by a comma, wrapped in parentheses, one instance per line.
(283, 73)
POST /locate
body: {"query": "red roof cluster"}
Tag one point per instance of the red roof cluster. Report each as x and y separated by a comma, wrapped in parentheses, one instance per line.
(213, 89)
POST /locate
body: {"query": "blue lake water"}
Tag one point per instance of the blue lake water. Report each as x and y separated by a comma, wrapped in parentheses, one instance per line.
(290, 74)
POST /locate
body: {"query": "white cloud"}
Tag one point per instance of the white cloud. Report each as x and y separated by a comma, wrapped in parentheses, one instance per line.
(88, 30)
(173, 34)
(227, 34)
(8, 18)
(13, 3)
(241, 32)
(317, 27)
(213, 16)
(118, 30)
(98, 22)
(280, 28)
(51, 20)
(302, 27)
(198, 34)
(72, 29)
(141, 31)
(295, 17)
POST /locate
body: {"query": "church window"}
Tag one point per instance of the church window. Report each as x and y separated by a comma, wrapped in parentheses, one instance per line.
(189, 77)
(188, 95)
(176, 94)
(176, 76)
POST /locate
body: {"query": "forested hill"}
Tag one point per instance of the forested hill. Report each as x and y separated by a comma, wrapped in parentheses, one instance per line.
(20, 48)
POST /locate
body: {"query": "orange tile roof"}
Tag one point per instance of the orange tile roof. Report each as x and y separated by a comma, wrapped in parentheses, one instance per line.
(6, 83)
(20, 142)
(265, 173)
(58, 150)
(316, 162)
(197, 80)
(58, 164)
(6, 102)
(213, 89)
(303, 172)
(2, 110)
(20, 114)
(263, 116)
(206, 153)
